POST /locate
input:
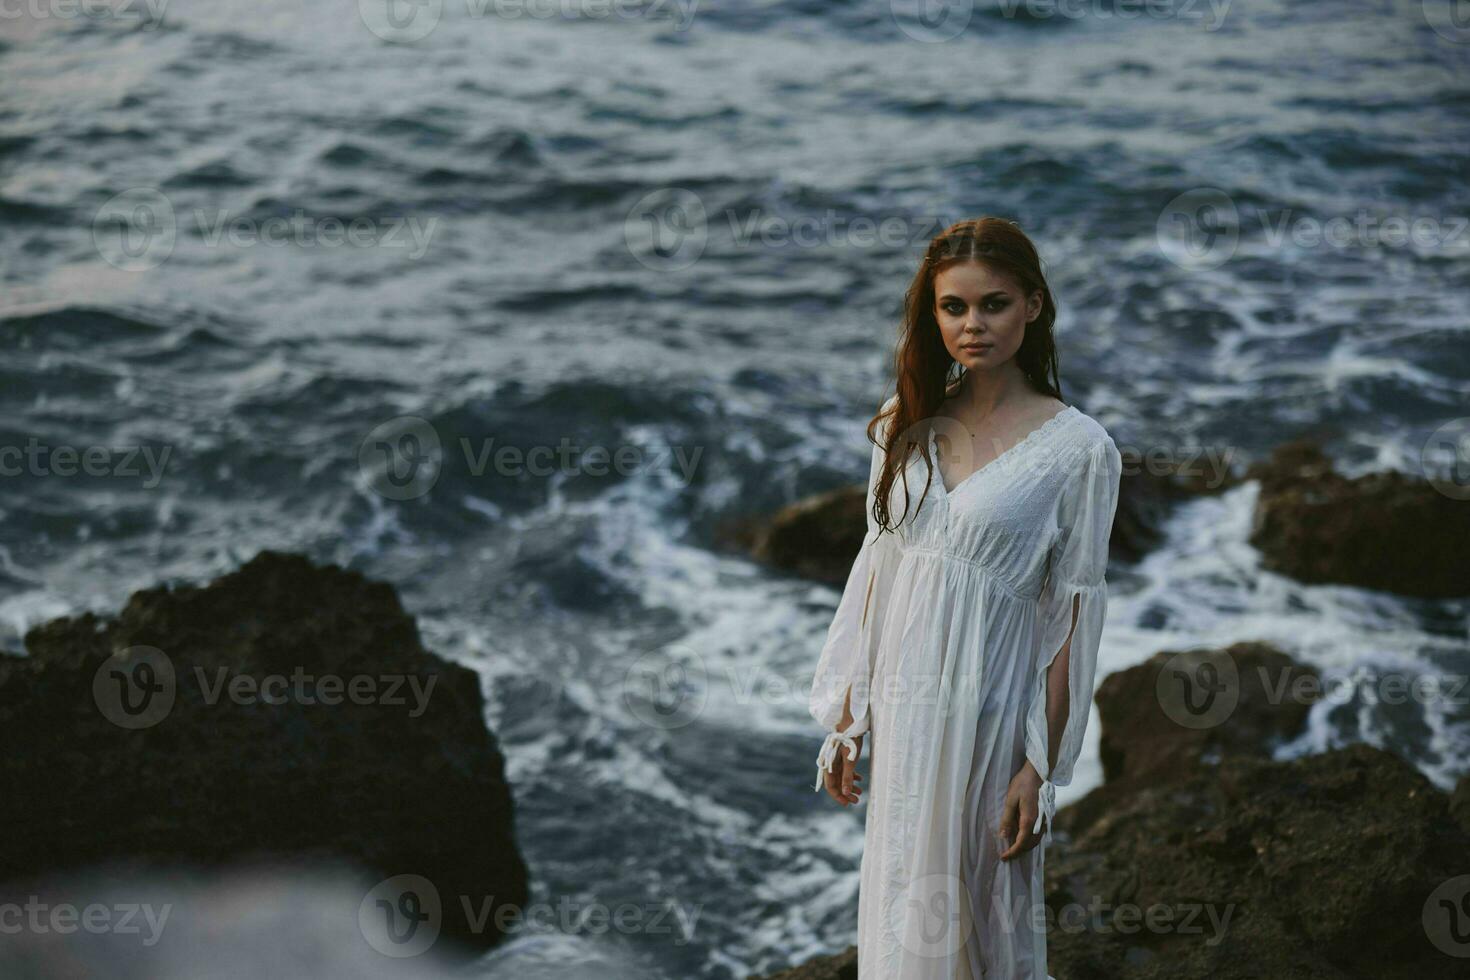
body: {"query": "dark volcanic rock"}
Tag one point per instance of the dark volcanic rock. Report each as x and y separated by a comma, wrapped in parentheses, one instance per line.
(1460, 803)
(817, 537)
(1161, 720)
(411, 788)
(843, 966)
(1387, 531)
(1325, 865)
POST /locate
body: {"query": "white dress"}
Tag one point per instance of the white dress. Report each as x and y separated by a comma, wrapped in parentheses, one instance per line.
(966, 605)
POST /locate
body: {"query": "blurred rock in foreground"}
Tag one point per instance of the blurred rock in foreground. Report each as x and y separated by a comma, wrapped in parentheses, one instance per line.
(284, 713)
(253, 922)
(242, 924)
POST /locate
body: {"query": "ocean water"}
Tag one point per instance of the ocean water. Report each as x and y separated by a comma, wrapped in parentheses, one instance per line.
(290, 275)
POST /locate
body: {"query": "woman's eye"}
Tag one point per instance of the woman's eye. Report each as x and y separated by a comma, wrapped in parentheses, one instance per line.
(991, 306)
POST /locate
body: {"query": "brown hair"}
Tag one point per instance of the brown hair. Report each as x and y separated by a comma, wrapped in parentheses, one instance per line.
(922, 363)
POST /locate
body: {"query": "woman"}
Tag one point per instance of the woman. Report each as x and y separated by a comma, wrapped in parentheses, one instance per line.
(967, 634)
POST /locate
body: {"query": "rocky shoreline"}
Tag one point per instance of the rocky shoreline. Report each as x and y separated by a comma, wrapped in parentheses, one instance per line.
(197, 729)
(1199, 856)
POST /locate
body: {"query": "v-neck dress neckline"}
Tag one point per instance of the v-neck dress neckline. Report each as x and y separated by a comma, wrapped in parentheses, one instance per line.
(1031, 436)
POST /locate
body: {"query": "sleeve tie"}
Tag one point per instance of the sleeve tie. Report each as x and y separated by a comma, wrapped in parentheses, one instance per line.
(1046, 805)
(828, 755)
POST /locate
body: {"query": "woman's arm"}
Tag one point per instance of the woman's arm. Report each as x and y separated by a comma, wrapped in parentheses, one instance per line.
(1071, 611)
(1058, 696)
(841, 685)
(1022, 796)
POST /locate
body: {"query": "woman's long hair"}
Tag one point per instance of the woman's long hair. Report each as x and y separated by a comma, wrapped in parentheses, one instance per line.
(923, 365)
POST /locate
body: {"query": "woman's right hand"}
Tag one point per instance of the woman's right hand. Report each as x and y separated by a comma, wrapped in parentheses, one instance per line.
(1018, 814)
(842, 781)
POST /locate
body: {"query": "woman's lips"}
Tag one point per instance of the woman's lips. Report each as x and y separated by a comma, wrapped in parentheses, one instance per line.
(976, 348)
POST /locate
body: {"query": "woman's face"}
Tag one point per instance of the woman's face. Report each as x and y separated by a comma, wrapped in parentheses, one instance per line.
(982, 314)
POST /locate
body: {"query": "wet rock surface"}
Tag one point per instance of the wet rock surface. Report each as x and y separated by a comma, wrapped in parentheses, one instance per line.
(202, 728)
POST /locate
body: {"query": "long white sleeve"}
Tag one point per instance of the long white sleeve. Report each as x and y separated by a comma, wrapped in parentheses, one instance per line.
(1077, 566)
(847, 657)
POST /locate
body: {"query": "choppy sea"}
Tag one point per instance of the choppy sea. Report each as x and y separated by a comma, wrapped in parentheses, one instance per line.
(256, 258)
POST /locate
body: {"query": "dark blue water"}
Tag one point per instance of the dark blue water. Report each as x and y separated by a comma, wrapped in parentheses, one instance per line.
(244, 246)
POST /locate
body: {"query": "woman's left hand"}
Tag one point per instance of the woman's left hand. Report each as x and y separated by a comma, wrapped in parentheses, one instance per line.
(1019, 814)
